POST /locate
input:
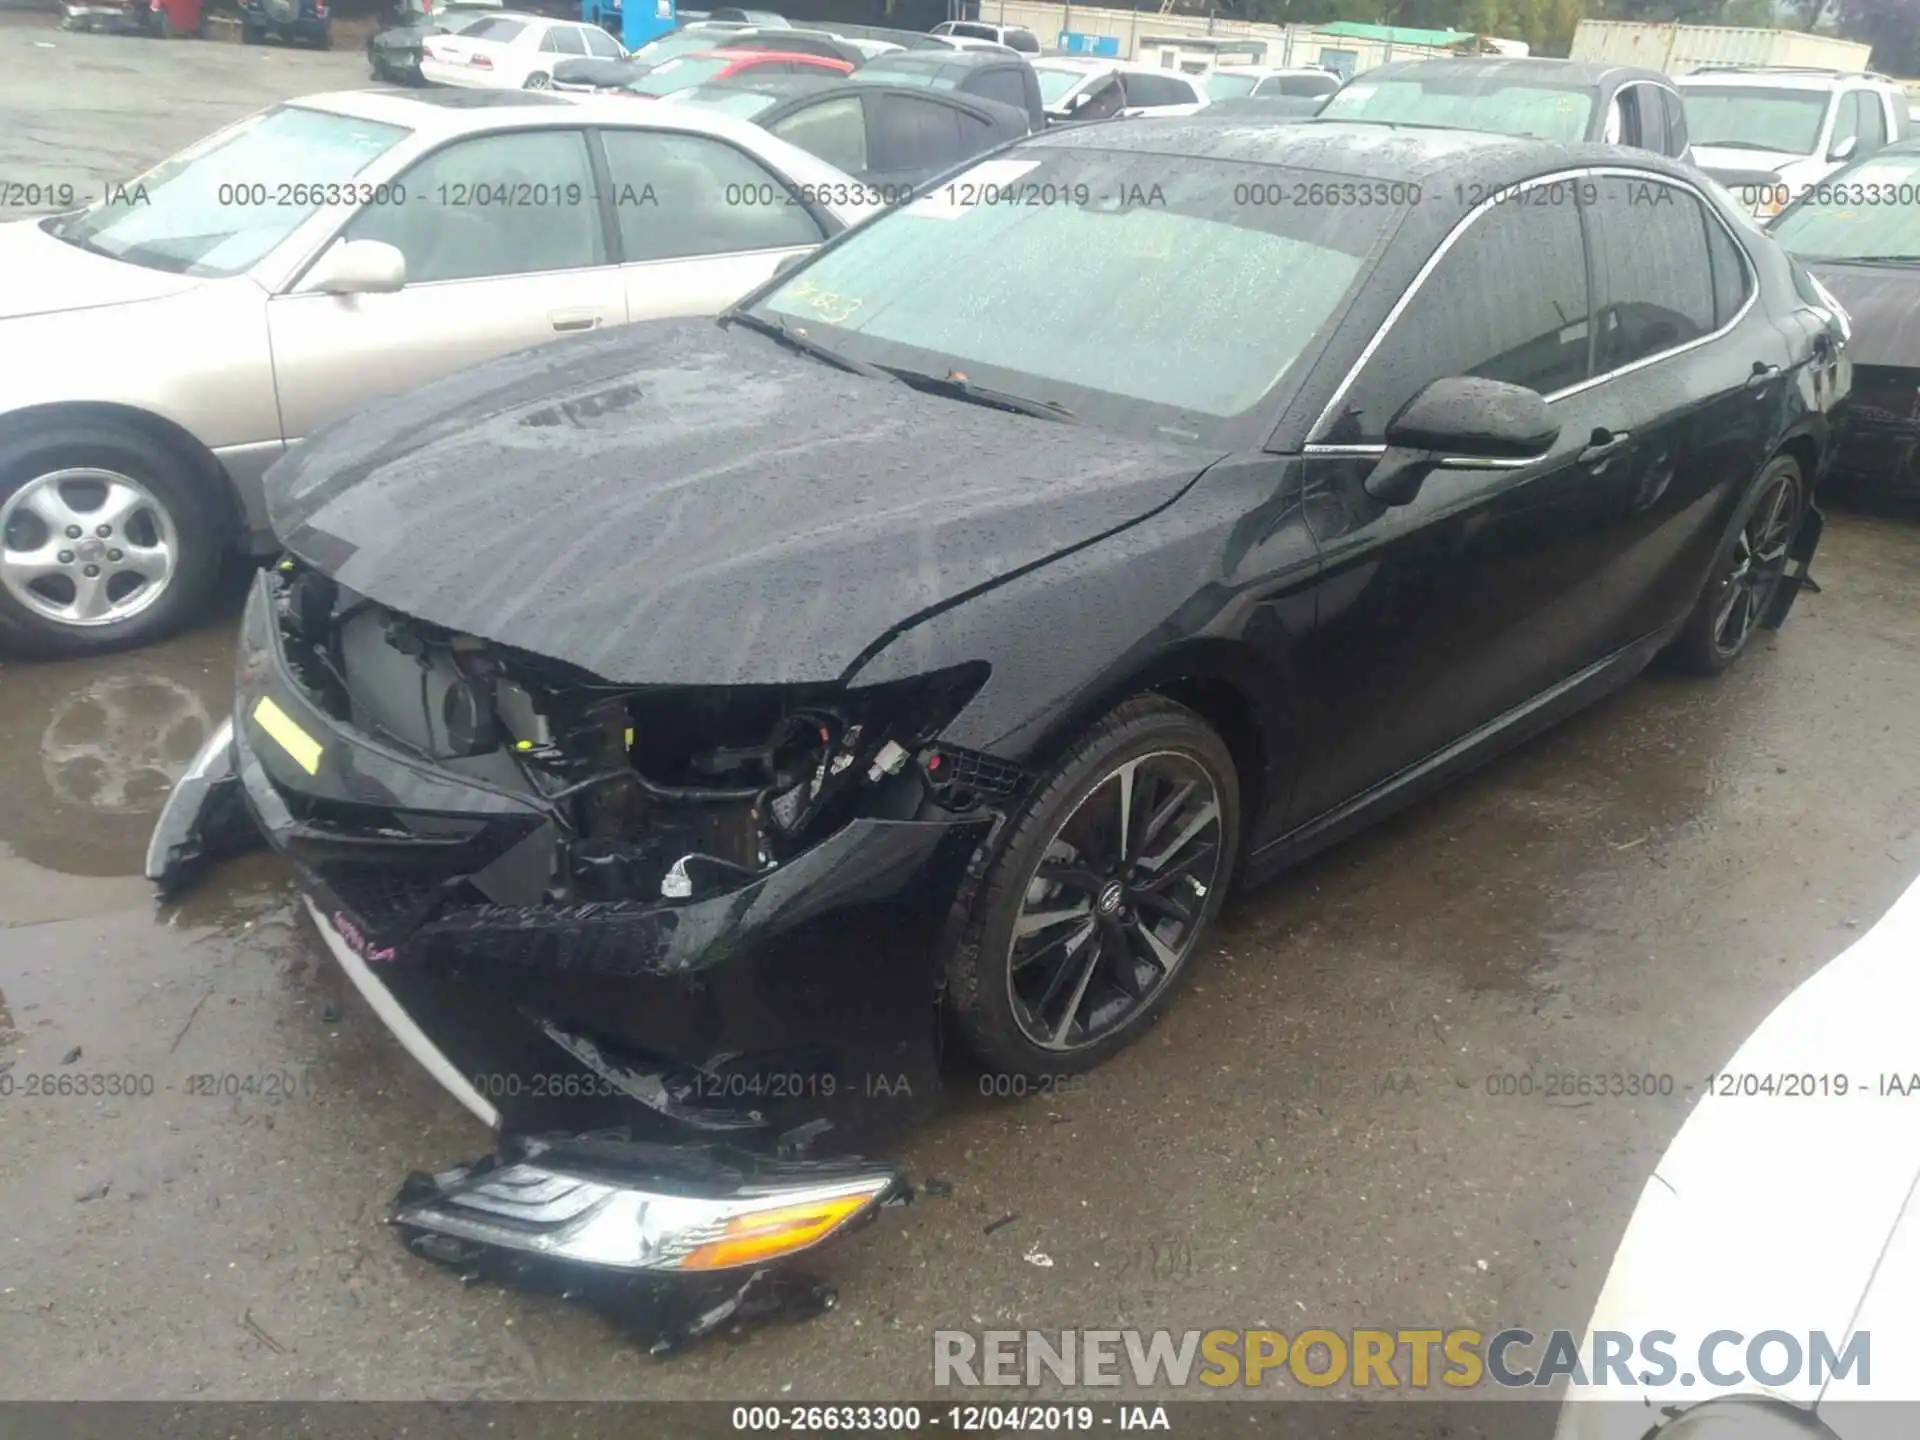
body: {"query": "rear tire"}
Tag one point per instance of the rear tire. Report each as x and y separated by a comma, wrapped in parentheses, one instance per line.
(538, 80)
(1132, 916)
(179, 518)
(1746, 571)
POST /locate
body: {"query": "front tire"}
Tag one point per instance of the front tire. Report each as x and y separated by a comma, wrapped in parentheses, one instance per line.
(146, 554)
(1746, 572)
(1108, 881)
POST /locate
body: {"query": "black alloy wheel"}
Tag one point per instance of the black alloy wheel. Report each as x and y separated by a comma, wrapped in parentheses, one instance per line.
(1100, 898)
(1747, 573)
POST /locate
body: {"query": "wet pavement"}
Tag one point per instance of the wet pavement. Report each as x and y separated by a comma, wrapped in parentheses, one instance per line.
(200, 1122)
(1308, 1135)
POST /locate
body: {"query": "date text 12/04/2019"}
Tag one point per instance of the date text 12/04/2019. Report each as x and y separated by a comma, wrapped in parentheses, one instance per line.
(1040, 1419)
(1811, 1085)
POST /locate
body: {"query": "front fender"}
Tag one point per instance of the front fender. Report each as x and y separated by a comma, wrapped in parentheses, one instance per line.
(1216, 586)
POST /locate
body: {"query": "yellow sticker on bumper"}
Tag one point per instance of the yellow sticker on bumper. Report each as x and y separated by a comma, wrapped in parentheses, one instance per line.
(304, 749)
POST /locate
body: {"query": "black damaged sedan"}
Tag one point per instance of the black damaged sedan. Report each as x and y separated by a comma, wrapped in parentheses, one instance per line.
(677, 731)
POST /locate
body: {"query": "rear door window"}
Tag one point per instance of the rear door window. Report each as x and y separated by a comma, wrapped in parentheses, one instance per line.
(1158, 90)
(1005, 86)
(518, 203)
(1651, 118)
(1846, 121)
(1731, 283)
(912, 133)
(835, 130)
(1507, 302)
(1677, 140)
(1873, 122)
(1305, 86)
(694, 195)
(1656, 275)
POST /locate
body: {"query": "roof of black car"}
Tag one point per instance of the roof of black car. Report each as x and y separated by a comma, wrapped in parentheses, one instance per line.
(943, 60)
(826, 86)
(999, 110)
(1469, 159)
(1496, 70)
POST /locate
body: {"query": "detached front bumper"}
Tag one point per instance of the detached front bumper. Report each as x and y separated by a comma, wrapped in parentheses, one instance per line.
(670, 1078)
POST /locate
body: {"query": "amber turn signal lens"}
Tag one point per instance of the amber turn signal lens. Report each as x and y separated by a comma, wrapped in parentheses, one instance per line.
(768, 1234)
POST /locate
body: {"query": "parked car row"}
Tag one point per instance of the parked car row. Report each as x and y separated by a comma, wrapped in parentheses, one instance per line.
(868, 135)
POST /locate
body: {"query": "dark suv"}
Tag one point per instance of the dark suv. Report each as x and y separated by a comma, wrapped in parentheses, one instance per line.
(307, 22)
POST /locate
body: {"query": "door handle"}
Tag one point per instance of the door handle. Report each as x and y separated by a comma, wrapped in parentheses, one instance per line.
(1763, 374)
(568, 321)
(1604, 442)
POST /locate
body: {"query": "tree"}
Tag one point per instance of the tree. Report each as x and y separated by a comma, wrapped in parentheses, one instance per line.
(1892, 27)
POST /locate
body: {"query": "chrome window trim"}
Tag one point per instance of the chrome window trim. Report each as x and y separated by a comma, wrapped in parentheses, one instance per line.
(1450, 462)
(1325, 418)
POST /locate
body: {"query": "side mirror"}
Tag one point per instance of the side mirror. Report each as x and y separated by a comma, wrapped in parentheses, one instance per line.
(358, 267)
(1844, 149)
(1464, 420)
(1076, 102)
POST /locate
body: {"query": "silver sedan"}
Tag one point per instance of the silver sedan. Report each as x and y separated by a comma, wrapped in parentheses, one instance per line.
(162, 347)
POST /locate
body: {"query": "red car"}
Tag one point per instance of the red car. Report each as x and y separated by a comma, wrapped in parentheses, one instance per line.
(705, 66)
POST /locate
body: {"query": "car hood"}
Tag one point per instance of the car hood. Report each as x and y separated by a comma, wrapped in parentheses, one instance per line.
(40, 275)
(680, 503)
(1772, 1211)
(1883, 301)
(1744, 165)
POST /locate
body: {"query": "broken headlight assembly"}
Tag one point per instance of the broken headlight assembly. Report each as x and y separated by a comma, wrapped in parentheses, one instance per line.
(654, 792)
(687, 792)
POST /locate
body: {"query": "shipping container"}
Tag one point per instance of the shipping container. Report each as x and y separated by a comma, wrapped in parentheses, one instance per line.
(1682, 49)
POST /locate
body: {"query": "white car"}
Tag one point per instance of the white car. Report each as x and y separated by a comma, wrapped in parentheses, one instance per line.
(1232, 82)
(1072, 88)
(511, 51)
(957, 42)
(1789, 1202)
(158, 354)
(1013, 37)
(1767, 134)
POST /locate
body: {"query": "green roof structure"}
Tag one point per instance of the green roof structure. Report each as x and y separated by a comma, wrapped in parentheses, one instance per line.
(1395, 34)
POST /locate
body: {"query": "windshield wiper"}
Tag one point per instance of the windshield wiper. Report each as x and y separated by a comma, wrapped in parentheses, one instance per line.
(797, 340)
(956, 386)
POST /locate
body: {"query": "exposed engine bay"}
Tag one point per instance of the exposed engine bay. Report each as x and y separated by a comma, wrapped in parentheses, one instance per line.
(651, 793)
